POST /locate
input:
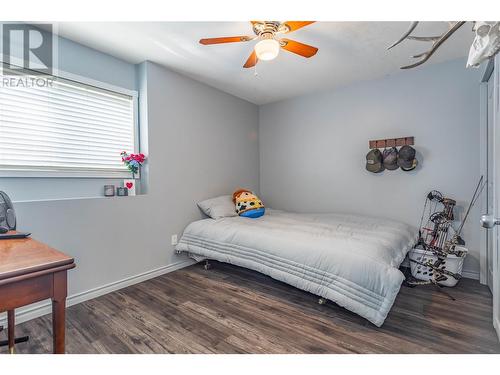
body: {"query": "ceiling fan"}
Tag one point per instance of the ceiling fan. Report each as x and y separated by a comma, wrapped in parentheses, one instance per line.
(269, 35)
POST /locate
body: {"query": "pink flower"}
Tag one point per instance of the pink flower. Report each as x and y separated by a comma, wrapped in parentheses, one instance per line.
(138, 157)
(132, 159)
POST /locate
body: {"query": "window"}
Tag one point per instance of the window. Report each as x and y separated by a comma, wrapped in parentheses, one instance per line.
(64, 128)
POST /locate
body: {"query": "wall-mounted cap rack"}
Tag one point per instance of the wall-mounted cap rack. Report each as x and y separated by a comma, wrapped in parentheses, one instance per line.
(392, 142)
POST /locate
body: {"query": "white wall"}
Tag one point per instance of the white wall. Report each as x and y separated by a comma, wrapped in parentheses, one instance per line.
(202, 143)
(312, 148)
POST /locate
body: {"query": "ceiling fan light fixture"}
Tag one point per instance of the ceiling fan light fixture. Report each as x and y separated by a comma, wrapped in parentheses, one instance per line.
(269, 41)
(267, 49)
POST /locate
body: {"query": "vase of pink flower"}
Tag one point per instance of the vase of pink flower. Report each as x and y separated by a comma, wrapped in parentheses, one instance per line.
(133, 162)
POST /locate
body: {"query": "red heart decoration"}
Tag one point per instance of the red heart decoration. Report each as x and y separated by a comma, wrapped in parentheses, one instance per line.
(129, 185)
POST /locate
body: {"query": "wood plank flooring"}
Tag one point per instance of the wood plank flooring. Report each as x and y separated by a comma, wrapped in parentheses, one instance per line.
(233, 310)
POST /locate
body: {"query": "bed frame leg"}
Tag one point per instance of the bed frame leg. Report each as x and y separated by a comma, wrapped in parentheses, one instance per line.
(322, 301)
(207, 265)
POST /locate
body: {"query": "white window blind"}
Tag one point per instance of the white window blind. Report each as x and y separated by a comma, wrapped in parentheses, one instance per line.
(64, 128)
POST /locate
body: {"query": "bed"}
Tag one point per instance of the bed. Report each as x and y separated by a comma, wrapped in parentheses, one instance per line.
(349, 259)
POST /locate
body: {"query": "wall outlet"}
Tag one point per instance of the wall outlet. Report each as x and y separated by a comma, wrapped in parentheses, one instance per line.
(174, 239)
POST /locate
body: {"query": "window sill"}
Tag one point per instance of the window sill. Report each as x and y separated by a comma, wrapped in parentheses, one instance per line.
(19, 173)
(37, 189)
(76, 199)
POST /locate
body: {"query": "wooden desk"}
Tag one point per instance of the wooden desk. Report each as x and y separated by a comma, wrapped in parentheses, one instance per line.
(31, 271)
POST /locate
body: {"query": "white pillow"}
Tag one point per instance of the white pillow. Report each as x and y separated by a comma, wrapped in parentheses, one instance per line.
(219, 207)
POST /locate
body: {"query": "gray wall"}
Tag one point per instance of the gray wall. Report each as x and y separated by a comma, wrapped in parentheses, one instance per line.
(312, 148)
(202, 143)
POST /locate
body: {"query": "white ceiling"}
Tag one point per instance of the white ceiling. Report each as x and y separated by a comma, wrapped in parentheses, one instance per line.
(348, 52)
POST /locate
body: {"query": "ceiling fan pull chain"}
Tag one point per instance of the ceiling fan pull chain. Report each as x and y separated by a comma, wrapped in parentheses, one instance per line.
(255, 74)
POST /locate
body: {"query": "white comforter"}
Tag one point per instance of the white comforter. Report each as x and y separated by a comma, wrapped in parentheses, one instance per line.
(351, 260)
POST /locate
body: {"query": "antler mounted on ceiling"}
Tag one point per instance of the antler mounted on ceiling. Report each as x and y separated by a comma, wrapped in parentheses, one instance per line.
(437, 41)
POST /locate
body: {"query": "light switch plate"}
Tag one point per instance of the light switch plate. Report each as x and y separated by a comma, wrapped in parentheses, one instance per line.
(174, 239)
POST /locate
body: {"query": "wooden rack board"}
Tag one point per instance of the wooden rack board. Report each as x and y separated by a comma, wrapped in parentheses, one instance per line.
(392, 142)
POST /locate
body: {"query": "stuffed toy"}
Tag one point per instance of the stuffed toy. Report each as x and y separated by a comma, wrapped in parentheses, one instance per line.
(248, 204)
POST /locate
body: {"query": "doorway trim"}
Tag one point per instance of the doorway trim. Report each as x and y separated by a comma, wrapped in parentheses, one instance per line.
(483, 139)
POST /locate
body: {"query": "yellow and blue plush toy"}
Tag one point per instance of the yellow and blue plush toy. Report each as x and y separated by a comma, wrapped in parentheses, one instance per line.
(248, 204)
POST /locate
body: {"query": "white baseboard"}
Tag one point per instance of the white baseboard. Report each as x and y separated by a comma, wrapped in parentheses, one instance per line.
(470, 274)
(25, 314)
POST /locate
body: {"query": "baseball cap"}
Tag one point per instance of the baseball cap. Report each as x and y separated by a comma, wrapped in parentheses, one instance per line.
(390, 156)
(374, 161)
(406, 158)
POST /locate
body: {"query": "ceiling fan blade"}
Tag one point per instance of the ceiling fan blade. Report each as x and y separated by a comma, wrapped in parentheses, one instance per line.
(252, 60)
(229, 39)
(298, 48)
(295, 25)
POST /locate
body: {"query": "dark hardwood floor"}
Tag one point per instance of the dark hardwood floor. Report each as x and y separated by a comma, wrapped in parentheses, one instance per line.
(233, 310)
